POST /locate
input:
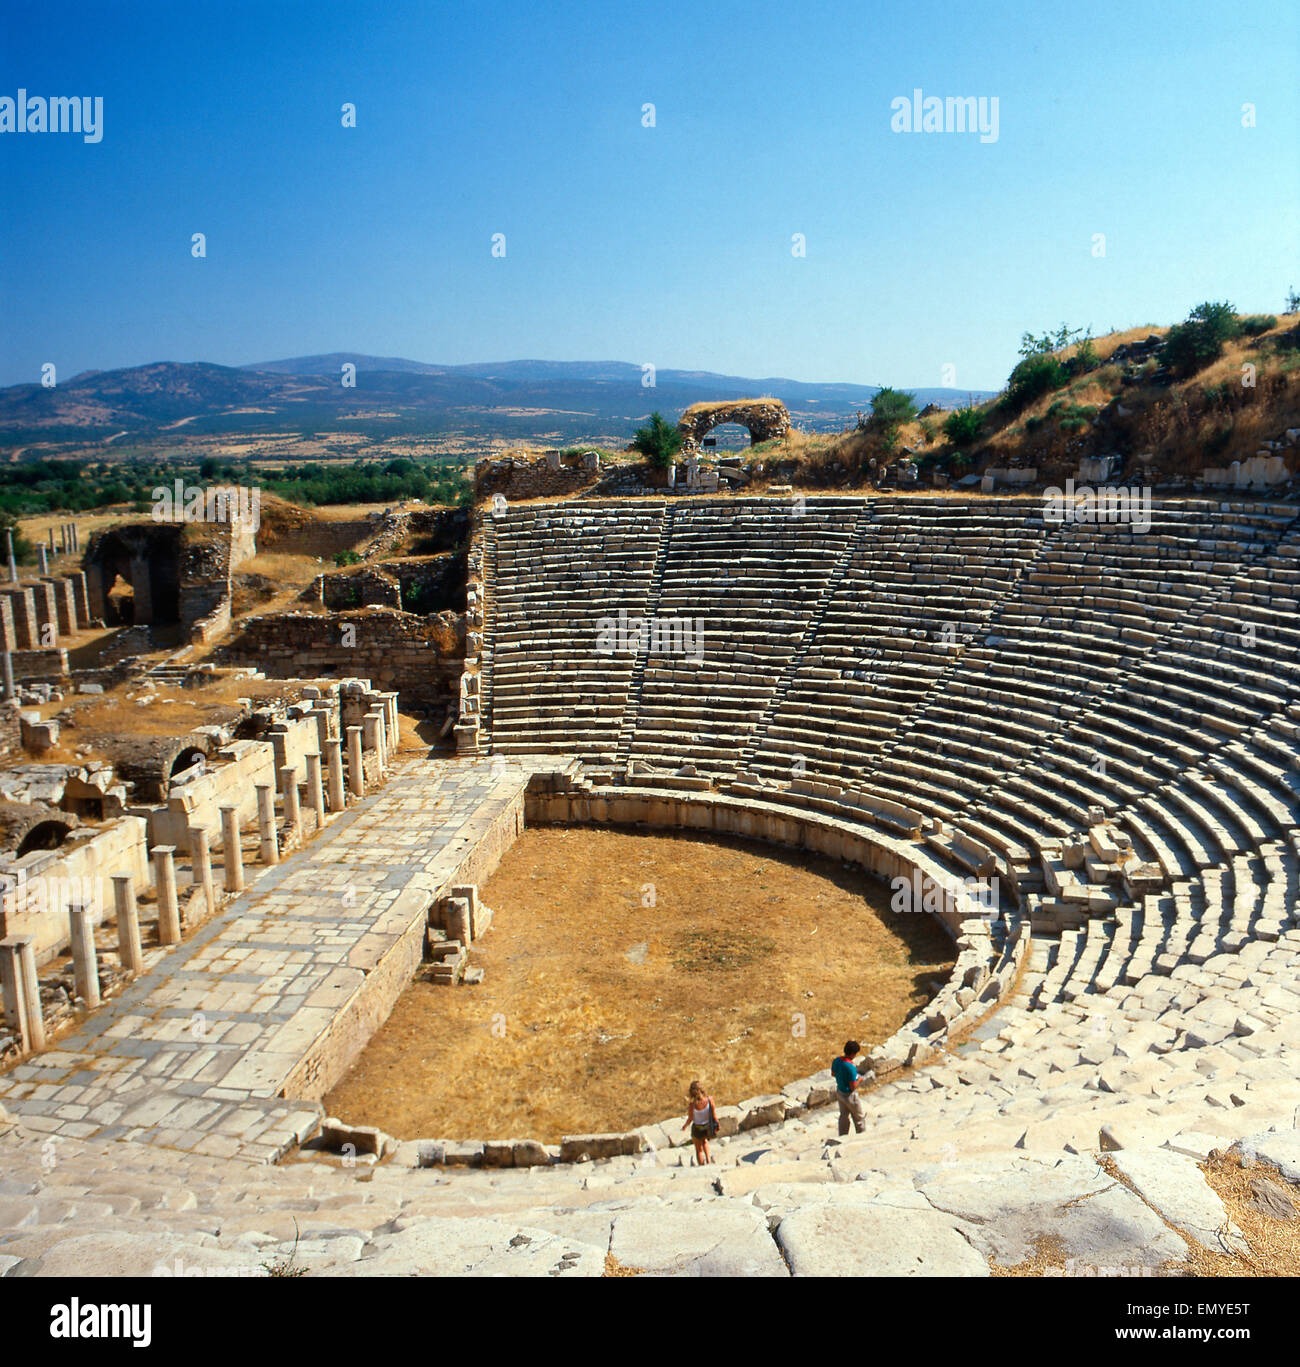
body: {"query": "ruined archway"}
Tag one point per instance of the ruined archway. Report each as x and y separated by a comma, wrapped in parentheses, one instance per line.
(766, 419)
(144, 557)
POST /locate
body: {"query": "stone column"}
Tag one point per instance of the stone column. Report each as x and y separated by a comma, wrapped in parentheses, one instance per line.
(232, 855)
(334, 763)
(76, 540)
(13, 991)
(128, 923)
(45, 606)
(22, 995)
(356, 773)
(85, 959)
(373, 735)
(23, 607)
(13, 564)
(201, 863)
(315, 793)
(9, 689)
(289, 795)
(381, 739)
(63, 538)
(321, 712)
(269, 853)
(51, 535)
(42, 560)
(169, 914)
(391, 732)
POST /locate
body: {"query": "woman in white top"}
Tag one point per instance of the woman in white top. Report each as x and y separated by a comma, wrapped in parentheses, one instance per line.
(703, 1120)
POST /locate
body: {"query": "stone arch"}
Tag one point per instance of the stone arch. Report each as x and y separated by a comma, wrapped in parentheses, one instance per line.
(766, 419)
(44, 835)
(186, 759)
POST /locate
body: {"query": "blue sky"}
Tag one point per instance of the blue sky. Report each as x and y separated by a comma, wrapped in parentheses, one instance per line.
(668, 245)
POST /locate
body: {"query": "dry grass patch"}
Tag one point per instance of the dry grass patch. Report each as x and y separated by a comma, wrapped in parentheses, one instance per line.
(1265, 1207)
(614, 1268)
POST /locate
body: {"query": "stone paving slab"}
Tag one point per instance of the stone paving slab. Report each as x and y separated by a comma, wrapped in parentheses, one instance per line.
(194, 1054)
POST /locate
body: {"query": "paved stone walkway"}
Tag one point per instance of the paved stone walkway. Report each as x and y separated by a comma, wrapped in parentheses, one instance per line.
(193, 1055)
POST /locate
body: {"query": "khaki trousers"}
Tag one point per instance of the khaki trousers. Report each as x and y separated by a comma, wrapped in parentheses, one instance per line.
(850, 1109)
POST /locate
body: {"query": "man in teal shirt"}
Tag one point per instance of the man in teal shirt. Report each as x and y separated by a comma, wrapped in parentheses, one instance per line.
(846, 1075)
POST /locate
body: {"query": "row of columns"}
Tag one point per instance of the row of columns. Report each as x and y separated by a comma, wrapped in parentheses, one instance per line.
(18, 979)
(68, 539)
(68, 542)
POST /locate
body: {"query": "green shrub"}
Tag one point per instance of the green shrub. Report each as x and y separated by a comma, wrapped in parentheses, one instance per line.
(1035, 376)
(659, 441)
(1258, 323)
(1192, 345)
(1084, 359)
(962, 426)
(890, 408)
(342, 558)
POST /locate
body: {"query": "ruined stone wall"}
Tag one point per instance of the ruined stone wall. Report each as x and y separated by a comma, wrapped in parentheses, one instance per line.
(40, 664)
(429, 529)
(83, 867)
(10, 732)
(197, 801)
(517, 479)
(419, 657)
(325, 539)
(424, 585)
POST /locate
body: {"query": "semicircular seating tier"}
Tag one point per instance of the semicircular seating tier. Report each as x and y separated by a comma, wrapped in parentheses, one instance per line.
(1013, 681)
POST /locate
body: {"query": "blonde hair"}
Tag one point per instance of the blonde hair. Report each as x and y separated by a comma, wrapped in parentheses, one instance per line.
(697, 1091)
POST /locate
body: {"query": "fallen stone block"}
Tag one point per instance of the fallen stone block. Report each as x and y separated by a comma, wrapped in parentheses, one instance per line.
(1280, 1148)
(337, 1136)
(870, 1240)
(762, 1110)
(579, 1148)
(1174, 1185)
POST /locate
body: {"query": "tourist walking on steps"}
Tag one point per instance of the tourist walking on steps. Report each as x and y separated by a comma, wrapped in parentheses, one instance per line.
(846, 1075)
(702, 1117)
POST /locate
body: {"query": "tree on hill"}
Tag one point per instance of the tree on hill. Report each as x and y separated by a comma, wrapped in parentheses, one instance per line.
(891, 408)
(659, 441)
(1192, 345)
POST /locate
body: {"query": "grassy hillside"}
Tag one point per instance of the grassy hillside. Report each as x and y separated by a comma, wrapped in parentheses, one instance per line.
(1128, 393)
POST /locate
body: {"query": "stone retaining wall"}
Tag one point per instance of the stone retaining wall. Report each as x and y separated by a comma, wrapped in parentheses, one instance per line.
(40, 664)
(325, 539)
(420, 657)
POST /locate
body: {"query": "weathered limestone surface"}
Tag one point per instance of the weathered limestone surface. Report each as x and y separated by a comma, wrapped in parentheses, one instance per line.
(877, 1241)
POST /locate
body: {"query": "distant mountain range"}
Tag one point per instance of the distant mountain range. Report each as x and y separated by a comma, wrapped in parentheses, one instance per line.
(564, 401)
